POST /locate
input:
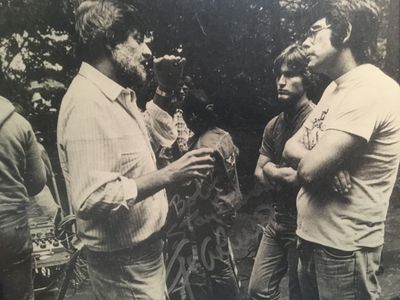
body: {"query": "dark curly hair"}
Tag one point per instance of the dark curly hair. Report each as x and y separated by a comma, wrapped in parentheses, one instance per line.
(106, 22)
(361, 17)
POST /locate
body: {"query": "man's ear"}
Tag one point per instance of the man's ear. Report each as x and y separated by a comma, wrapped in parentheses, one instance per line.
(348, 34)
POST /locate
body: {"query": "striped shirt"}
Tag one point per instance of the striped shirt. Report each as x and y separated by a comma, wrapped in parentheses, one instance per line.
(184, 133)
(104, 143)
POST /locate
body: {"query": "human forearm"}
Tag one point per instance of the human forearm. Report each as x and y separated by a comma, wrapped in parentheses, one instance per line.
(119, 192)
(328, 156)
(150, 184)
(297, 147)
(293, 153)
(280, 174)
(122, 193)
(168, 71)
(194, 164)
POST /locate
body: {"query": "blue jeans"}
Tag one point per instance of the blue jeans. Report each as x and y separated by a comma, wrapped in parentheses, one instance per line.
(329, 274)
(132, 274)
(15, 259)
(214, 254)
(276, 255)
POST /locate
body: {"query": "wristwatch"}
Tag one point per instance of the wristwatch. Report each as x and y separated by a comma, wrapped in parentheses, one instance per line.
(162, 93)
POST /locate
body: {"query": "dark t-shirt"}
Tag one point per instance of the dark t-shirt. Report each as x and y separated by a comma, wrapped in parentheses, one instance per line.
(280, 129)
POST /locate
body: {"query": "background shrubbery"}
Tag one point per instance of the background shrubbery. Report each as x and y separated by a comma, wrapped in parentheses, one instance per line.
(230, 46)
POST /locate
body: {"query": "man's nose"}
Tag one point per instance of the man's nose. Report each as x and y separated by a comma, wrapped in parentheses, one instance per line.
(306, 43)
(146, 52)
(281, 81)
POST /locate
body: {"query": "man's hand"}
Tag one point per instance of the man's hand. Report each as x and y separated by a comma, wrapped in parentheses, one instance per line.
(341, 182)
(168, 70)
(194, 164)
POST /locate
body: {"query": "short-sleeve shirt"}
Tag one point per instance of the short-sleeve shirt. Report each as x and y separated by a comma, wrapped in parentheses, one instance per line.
(366, 103)
(276, 133)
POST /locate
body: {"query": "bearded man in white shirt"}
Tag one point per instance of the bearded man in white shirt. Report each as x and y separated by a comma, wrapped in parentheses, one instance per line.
(106, 147)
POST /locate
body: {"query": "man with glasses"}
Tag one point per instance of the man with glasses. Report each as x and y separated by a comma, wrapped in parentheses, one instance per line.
(351, 139)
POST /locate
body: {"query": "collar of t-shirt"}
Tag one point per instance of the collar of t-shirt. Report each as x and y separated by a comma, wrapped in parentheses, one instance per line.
(292, 118)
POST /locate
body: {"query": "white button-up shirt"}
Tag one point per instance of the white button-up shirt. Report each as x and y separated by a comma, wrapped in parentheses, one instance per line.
(104, 143)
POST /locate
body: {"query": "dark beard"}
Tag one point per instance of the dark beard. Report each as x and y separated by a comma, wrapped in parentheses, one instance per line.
(288, 104)
(129, 79)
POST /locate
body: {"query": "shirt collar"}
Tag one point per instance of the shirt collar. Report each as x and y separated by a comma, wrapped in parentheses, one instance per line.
(106, 85)
(292, 117)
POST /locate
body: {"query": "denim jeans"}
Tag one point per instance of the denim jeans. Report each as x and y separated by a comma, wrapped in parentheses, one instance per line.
(329, 274)
(132, 274)
(15, 259)
(276, 255)
(213, 248)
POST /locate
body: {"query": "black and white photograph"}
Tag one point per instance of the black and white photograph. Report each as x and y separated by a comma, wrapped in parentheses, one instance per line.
(199, 149)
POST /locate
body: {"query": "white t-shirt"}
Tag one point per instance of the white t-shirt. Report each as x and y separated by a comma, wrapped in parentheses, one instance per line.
(366, 103)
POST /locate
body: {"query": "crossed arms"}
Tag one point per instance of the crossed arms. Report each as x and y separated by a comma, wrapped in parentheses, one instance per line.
(312, 160)
(322, 159)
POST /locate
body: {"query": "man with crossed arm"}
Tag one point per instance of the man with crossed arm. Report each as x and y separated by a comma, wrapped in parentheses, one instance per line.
(352, 136)
(277, 252)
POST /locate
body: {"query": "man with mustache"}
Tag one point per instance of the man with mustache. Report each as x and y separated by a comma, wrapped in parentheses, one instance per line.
(353, 133)
(106, 148)
(277, 252)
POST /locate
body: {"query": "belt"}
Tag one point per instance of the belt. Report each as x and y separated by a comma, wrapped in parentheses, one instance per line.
(153, 241)
(334, 251)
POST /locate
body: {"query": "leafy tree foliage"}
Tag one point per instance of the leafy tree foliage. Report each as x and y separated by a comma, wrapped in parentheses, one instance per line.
(230, 46)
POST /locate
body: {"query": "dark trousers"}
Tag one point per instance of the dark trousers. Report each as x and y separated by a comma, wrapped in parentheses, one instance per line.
(15, 259)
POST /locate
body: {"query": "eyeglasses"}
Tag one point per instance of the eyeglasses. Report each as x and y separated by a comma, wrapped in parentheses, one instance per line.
(312, 32)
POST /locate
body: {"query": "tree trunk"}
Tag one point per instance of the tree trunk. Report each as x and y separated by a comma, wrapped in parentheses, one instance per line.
(392, 59)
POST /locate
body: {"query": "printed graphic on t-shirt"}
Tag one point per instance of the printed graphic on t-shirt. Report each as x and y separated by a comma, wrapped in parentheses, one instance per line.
(318, 122)
(314, 129)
